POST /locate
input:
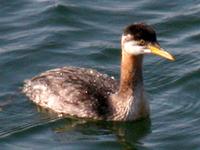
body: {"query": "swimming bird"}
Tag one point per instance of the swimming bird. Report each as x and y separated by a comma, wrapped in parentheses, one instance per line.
(87, 93)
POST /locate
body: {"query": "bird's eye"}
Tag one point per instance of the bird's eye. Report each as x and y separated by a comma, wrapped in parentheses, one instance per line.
(142, 42)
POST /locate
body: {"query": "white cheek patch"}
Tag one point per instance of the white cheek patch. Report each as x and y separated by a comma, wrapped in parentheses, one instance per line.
(133, 48)
(147, 51)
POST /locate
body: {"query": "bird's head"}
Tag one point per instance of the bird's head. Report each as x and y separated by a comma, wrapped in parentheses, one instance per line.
(139, 39)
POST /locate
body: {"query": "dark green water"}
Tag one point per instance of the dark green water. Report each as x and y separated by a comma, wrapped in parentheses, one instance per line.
(37, 35)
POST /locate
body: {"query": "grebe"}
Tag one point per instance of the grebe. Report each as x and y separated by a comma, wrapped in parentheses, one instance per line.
(86, 93)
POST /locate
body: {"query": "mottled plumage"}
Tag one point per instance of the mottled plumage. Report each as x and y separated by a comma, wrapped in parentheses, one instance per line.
(87, 93)
(71, 90)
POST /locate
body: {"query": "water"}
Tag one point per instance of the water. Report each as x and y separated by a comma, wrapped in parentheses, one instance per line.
(37, 35)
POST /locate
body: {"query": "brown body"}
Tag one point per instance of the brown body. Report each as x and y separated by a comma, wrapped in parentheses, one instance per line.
(87, 93)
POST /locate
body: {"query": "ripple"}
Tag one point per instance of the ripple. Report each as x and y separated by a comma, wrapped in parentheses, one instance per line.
(37, 35)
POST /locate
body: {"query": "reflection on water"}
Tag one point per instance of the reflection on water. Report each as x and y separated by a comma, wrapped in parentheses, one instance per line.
(128, 135)
(37, 35)
(70, 130)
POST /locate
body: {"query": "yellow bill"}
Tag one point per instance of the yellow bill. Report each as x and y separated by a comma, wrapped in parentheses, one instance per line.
(155, 49)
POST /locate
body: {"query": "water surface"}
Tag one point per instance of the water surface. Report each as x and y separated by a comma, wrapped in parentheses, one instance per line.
(37, 35)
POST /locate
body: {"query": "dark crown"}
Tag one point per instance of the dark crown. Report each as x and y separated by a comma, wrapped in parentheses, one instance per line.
(141, 31)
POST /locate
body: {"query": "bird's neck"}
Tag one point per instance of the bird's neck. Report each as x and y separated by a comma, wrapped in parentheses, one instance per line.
(131, 74)
(129, 102)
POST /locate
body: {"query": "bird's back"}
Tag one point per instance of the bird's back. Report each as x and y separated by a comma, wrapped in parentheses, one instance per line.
(75, 91)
